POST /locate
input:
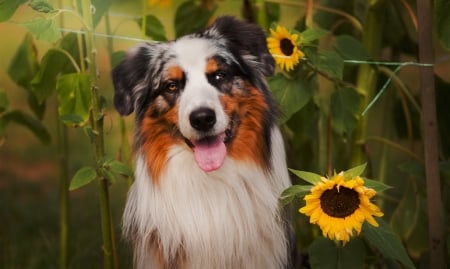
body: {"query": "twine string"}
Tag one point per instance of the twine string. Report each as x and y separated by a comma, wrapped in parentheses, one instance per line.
(399, 65)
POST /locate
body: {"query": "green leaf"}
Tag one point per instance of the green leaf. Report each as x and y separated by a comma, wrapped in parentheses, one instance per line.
(24, 65)
(117, 57)
(295, 191)
(307, 176)
(291, 94)
(73, 120)
(324, 253)
(8, 8)
(108, 175)
(442, 21)
(350, 48)
(345, 104)
(41, 6)
(83, 177)
(4, 102)
(405, 216)
(355, 171)
(101, 7)
(74, 96)
(191, 16)
(120, 168)
(328, 62)
(387, 242)
(32, 124)
(311, 34)
(45, 29)
(376, 185)
(153, 28)
(37, 107)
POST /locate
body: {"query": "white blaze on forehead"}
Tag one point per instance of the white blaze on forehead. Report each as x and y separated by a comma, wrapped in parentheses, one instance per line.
(192, 55)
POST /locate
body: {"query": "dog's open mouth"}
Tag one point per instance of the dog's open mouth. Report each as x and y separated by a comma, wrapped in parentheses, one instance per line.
(210, 151)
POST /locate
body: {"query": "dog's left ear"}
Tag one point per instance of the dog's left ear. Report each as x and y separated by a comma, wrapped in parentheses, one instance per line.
(248, 38)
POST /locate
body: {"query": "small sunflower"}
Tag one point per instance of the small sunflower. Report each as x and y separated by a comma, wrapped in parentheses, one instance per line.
(340, 205)
(283, 47)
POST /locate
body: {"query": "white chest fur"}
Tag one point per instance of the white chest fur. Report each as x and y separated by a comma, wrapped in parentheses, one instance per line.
(228, 218)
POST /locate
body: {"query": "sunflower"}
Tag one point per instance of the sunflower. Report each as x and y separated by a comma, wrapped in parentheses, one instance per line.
(162, 3)
(340, 206)
(283, 47)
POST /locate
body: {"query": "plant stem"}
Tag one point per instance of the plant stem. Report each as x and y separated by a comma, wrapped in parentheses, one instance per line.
(366, 82)
(63, 152)
(260, 14)
(64, 206)
(430, 136)
(96, 118)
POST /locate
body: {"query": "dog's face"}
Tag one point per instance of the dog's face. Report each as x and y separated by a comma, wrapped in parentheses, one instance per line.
(205, 91)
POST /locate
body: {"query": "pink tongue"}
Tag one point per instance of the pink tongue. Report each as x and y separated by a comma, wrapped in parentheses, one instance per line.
(211, 155)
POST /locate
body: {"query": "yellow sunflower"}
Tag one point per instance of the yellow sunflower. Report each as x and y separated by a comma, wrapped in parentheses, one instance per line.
(283, 47)
(162, 3)
(340, 206)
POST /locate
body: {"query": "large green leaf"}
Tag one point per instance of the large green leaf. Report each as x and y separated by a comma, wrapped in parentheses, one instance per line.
(442, 21)
(355, 171)
(307, 176)
(325, 254)
(44, 28)
(386, 242)
(291, 94)
(24, 65)
(311, 34)
(53, 63)
(405, 216)
(191, 16)
(83, 177)
(101, 7)
(328, 62)
(376, 185)
(74, 97)
(350, 48)
(8, 7)
(344, 106)
(41, 6)
(153, 28)
(32, 124)
(295, 191)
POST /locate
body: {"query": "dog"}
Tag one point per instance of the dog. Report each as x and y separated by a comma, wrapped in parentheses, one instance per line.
(209, 157)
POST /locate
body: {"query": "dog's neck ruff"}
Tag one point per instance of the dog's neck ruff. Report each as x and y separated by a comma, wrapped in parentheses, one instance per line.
(228, 218)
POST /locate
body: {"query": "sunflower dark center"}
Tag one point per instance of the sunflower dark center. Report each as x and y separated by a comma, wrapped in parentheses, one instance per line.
(339, 204)
(286, 46)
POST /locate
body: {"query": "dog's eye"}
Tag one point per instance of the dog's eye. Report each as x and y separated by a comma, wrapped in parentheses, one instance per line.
(172, 86)
(219, 76)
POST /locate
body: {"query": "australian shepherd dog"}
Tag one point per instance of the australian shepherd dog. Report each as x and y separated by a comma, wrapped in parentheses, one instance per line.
(210, 159)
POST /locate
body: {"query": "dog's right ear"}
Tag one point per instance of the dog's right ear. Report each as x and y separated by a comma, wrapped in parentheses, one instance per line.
(128, 75)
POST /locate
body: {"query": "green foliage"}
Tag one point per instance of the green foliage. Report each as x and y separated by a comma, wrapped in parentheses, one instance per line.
(41, 6)
(291, 94)
(442, 21)
(8, 7)
(345, 105)
(327, 254)
(74, 97)
(387, 242)
(153, 28)
(45, 29)
(192, 17)
(21, 118)
(83, 177)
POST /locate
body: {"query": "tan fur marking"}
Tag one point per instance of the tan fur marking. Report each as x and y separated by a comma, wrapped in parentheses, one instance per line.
(248, 143)
(158, 137)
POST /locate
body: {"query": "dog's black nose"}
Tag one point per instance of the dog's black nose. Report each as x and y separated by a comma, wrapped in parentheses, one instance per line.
(203, 119)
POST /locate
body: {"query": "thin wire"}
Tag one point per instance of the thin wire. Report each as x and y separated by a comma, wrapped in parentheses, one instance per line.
(388, 81)
(109, 36)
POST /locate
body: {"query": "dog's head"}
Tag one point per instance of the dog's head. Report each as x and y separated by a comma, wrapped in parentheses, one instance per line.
(206, 90)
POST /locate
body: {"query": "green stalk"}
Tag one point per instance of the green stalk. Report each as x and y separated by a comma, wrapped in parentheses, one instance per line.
(64, 207)
(260, 14)
(366, 82)
(63, 152)
(109, 46)
(96, 118)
